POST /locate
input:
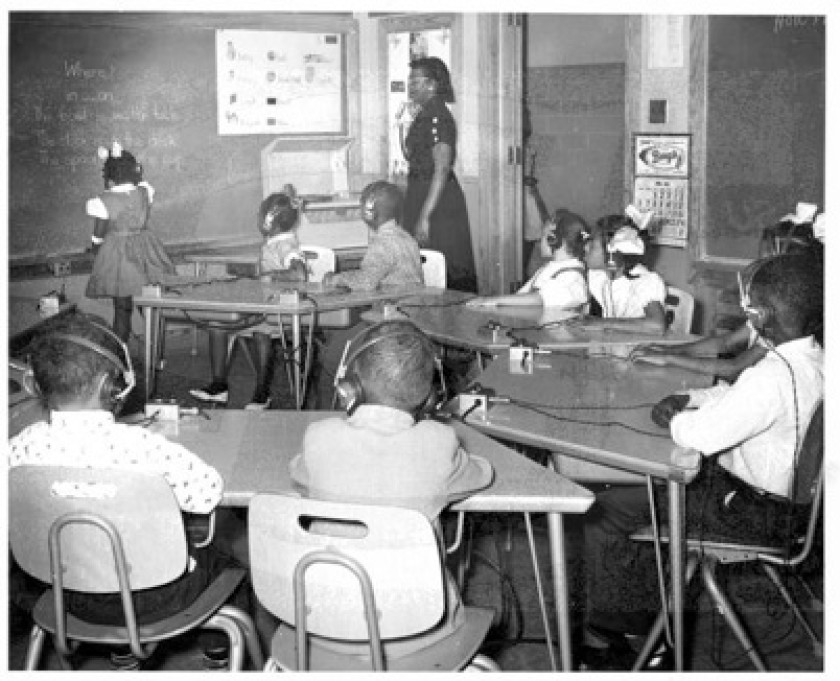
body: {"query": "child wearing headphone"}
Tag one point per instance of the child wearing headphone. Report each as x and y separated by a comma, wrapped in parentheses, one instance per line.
(725, 356)
(128, 255)
(629, 296)
(280, 260)
(561, 282)
(83, 372)
(749, 434)
(392, 259)
(383, 451)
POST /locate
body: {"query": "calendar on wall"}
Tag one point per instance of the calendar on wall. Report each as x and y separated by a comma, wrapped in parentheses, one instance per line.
(661, 166)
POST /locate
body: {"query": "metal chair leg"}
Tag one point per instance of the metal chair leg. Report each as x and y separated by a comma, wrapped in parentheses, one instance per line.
(237, 641)
(658, 627)
(728, 612)
(540, 593)
(773, 574)
(246, 625)
(37, 636)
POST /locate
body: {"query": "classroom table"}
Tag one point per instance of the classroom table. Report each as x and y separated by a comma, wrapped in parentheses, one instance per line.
(252, 450)
(574, 404)
(241, 297)
(489, 330)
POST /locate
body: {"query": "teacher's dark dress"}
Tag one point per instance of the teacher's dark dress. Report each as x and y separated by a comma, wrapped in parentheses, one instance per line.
(449, 224)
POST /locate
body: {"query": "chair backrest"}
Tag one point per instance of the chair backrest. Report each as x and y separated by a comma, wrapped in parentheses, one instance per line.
(396, 547)
(434, 267)
(319, 261)
(679, 309)
(809, 461)
(139, 507)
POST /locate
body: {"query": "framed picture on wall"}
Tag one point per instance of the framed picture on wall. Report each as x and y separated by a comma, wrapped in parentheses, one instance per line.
(661, 155)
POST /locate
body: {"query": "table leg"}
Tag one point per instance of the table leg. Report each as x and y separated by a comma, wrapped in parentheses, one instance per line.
(676, 507)
(296, 356)
(561, 595)
(150, 317)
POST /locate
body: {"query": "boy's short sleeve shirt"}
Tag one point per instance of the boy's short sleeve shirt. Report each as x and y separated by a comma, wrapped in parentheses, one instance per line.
(91, 439)
(279, 252)
(631, 296)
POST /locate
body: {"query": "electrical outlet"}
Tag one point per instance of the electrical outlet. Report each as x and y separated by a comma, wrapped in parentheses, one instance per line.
(60, 268)
(474, 403)
(521, 360)
(163, 411)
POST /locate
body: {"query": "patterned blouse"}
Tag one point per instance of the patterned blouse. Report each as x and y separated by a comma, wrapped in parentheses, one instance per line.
(92, 439)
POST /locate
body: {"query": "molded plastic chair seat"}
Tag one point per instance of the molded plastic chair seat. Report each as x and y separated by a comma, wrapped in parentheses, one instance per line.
(679, 309)
(434, 267)
(357, 575)
(102, 531)
(446, 655)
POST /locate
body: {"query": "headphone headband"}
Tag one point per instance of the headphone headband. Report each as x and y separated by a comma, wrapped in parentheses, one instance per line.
(124, 366)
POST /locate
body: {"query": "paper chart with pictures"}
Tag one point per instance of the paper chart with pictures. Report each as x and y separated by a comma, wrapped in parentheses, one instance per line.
(279, 82)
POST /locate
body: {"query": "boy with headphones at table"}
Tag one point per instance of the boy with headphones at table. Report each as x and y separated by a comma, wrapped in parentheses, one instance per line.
(83, 372)
(392, 259)
(561, 282)
(384, 451)
(725, 356)
(749, 434)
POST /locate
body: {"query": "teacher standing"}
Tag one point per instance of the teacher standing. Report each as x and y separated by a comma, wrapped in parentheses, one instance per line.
(435, 209)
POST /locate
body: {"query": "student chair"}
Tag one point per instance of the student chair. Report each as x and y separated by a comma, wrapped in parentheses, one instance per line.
(319, 260)
(359, 575)
(707, 554)
(679, 310)
(112, 531)
(434, 267)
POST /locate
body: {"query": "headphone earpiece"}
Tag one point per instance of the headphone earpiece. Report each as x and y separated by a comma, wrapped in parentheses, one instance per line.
(115, 393)
(348, 386)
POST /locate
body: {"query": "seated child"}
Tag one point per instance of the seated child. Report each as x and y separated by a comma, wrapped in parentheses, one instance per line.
(390, 454)
(727, 355)
(560, 283)
(280, 260)
(748, 433)
(83, 372)
(629, 296)
(392, 259)
(393, 256)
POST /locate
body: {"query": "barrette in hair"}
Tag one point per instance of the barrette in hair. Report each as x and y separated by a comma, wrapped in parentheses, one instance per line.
(102, 153)
(626, 240)
(640, 218)
(805, 213)
(116, 149)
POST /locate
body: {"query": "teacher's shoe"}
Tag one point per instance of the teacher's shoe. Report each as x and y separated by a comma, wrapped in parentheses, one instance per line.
(217, 392)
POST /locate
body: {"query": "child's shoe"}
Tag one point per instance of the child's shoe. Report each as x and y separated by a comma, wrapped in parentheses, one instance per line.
(216, 658)
(217, 392)
(260, 401)
(124, 661)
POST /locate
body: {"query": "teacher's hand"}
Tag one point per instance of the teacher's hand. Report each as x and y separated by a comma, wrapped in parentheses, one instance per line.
(421, 232)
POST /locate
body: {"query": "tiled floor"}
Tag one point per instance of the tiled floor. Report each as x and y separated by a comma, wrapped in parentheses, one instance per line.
(501, 577)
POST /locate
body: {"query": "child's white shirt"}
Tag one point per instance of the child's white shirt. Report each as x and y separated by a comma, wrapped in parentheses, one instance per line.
(630, 297)
(560, 284)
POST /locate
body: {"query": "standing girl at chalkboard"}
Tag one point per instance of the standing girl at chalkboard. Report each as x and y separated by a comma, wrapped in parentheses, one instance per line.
(128, 255)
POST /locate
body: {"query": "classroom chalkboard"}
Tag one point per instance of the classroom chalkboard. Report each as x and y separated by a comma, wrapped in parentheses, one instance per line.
(78, 81)
(765, 126)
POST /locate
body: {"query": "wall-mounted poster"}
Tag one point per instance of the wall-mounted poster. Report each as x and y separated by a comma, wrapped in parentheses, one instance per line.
(661, 155)
(280, 83)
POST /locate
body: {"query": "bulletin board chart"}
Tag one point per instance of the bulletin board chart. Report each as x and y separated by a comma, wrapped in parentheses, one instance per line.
(280, 83)
(661, 184)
